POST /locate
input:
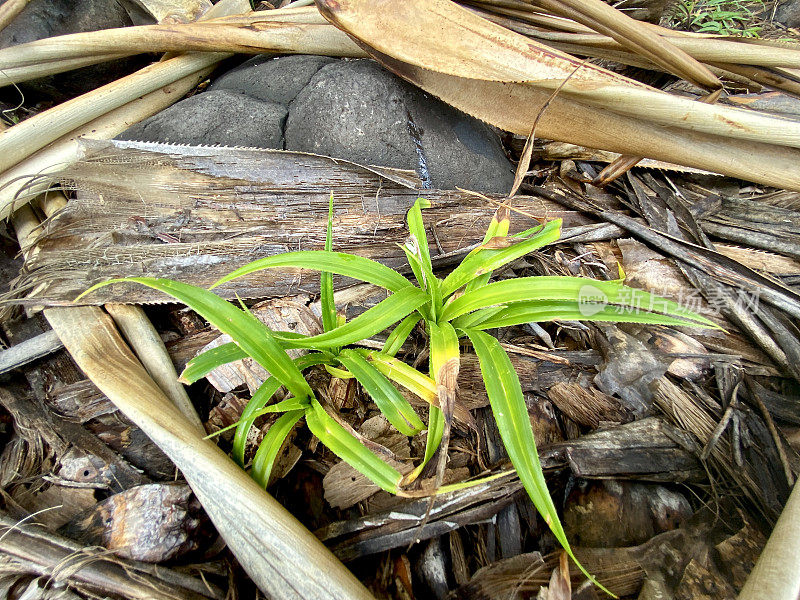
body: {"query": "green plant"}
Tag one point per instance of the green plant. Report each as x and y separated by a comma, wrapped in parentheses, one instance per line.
(462, 306)
(722, 17)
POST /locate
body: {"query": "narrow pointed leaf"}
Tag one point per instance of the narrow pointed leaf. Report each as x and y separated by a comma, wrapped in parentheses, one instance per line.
(262, 395)
(432, 443)
(588, 291)
(328, 305)
(289, 404)
(405, 375)
(338, 263)
(349, 449)
(395, 308)
(400, 334)
(390, 402)
(486, 261)
(271, 444)
(509, 410)
(537, 311)
(249, 333)
(202, 364)
(511, 414)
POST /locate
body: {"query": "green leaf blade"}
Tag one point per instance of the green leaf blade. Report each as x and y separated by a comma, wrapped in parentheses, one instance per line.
(387, 312)
(202, 364)
(271, 445)
(338, 263)
(538, 311)
(390, 402)
(259, 399)
(578, 289)
(511, 414)
(351, 450)
(250, 334)
(483, 262)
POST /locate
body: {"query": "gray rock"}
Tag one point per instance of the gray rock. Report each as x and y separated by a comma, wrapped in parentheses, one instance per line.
(788, 13)
(221, 117)
(351, 109)
(47, 18)
(272, 79)
(359, 111)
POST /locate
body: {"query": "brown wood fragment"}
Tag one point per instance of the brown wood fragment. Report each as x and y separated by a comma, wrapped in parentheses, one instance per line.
(402, 525)
(616, 513)
(646, 450)
(83, 458)
(739, 552)
(152, 523)
(589, 407)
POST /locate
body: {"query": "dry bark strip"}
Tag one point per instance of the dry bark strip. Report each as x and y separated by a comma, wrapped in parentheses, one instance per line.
(197, 213)
(46, 554)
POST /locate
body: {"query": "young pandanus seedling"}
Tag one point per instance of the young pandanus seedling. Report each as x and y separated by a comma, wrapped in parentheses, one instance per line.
(461, 306)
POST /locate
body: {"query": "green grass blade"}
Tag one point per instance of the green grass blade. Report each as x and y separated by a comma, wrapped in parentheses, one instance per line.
(328, 305)
(262, 395)
(249, 333)
(405, 376)
(387, 312)
(338, 263)
(443, 350)
(432, 443)
(202, 364)
(568, 310)
(390, 402)
(474, 319)
(485, 261)
(511, 414)
(419, 256)
(271, 445)
(416, 227)
(290, 403)
(509, 410)
(351, 450)
(588, 291)
(400, 334)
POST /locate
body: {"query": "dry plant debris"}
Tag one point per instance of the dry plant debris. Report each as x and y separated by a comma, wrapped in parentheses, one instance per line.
(683, 442)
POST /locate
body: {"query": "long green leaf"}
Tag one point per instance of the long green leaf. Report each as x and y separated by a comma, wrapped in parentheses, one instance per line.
(391, 310)
(328, 305)
(262, 395)
(289, 404)
(511, 414)
(587, 291)
(416, 227)
(509, 410)
(249, 333)
(271, 444)
(419, 257)
(338, 263)
(432, 442)
(485, 261)
(498, 228)
(537, 311)
(202, 364)
(390, 402)
(351, 450)
(400, 334)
